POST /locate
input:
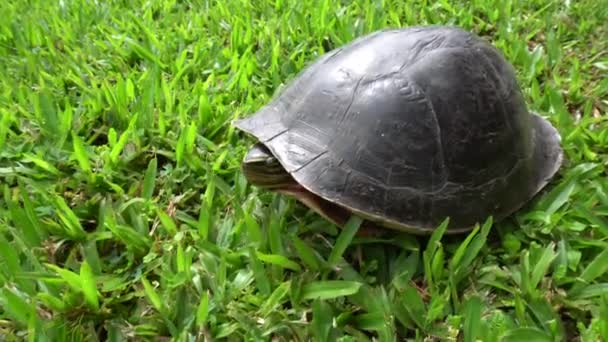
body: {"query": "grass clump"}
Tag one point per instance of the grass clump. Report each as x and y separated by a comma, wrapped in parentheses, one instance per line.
(124, 215)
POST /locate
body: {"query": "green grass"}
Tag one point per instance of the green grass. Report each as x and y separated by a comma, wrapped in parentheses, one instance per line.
(124, 215)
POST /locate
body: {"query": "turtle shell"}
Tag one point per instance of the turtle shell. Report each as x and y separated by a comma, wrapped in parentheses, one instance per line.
(409, 126)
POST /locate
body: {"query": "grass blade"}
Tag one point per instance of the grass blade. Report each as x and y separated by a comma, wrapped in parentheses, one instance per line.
(22, 221)
(275, 298)
(71, 278)
(203, 310)
(122, 141)
(329, 289)
(306, 254)
(413, 304)
(596, 268)
(589, 291)
(472, 319)
(152, 295)
(429, 253)
(542, 265)
(262, 281)
(149, 180)
(322, 317)
(278, 260)
(167, 222)
(89, 285)
(41, 163)
(344, 239)
(5, 120)
(69, 218)
(80, 153)
(204, 220)
(526, 334)
(15, 306)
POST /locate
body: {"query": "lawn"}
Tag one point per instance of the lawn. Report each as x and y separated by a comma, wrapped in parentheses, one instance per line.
(124, 214)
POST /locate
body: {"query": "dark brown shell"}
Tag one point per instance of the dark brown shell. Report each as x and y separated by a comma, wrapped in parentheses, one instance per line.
(409, 126)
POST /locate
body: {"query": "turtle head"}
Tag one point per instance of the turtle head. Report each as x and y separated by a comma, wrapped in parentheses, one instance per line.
(262, 169)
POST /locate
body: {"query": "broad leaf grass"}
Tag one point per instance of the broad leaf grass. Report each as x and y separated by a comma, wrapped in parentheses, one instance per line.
(124, 215)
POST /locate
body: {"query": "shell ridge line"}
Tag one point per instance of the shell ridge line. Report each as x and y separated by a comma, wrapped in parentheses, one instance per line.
(444, 170)
(352, 99)
(438, 49)
(346, 179)
(334, 54)
(276, 135)
(415, 60)
(503, 177)
(316, 129)
(309, 161)
(386, 191)
(418, 47)
(505, 93)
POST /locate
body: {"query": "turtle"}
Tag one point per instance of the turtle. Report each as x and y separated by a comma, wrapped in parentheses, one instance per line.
(404, 127)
